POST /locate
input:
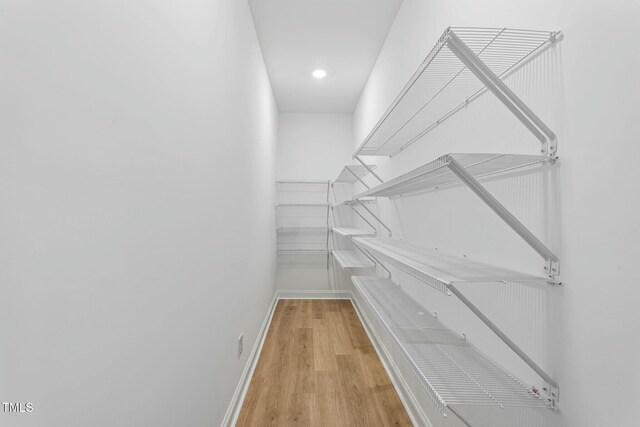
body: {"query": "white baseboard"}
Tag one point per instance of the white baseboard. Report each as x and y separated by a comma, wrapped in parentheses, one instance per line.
(417, 415)
(310, 294)
(233, 411)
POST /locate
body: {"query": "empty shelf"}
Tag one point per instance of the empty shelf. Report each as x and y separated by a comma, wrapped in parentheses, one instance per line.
(437, 269)
(350, 172)
(352, 232)
(454, 373)
(443, 85)
(351, 259)
(437, 173)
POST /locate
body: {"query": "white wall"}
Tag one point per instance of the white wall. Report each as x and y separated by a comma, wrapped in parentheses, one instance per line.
(310, 147)
(313, 146)
(137, 156)
(584, 333)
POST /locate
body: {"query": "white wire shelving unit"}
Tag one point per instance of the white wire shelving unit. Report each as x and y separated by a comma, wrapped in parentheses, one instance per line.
(302, 217)
(445, 272)
(454, 373)
(464, 64)
(347, 256)
(467, 168)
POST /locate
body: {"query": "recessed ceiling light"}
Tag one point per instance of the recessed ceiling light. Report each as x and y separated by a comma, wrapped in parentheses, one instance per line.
(319, 73)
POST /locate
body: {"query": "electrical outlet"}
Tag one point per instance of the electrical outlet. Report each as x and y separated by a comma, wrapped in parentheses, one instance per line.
(240, 345)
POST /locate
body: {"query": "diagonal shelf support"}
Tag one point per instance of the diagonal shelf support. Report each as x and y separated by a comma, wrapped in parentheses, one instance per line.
(373, 259)
(374, 216)
(363, 218)
(552, 389)
(368, 168)
(357, 177)
(552, 267)
(539, 129)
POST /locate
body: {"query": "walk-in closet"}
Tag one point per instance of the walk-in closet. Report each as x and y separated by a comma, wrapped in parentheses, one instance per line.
(319, 213)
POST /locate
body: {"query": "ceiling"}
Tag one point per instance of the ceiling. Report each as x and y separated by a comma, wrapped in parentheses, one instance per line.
(343, 37)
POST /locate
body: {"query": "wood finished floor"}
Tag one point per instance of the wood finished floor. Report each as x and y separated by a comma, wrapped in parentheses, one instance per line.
(318, 368)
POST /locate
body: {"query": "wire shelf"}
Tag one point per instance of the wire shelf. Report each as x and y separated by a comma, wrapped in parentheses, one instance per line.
(351, 232)
(350, 259)
(302, 218)
(442, 85)
(437, 269)
(436, 173)
(302, 237)
(353, 173)
(453, 371)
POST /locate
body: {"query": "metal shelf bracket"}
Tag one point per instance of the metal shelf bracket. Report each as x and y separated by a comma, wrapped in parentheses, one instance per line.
(374, 216)
(357, 177)
(373, 259)
(363, 218)
(552, 268)
(369, 169)
(550, 392)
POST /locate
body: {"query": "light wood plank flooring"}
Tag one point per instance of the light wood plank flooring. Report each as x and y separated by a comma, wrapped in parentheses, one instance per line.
(318, 368)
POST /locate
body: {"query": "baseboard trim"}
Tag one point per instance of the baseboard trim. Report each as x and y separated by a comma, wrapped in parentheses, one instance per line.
(306, 294)
(417, 415)
(233, 411)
